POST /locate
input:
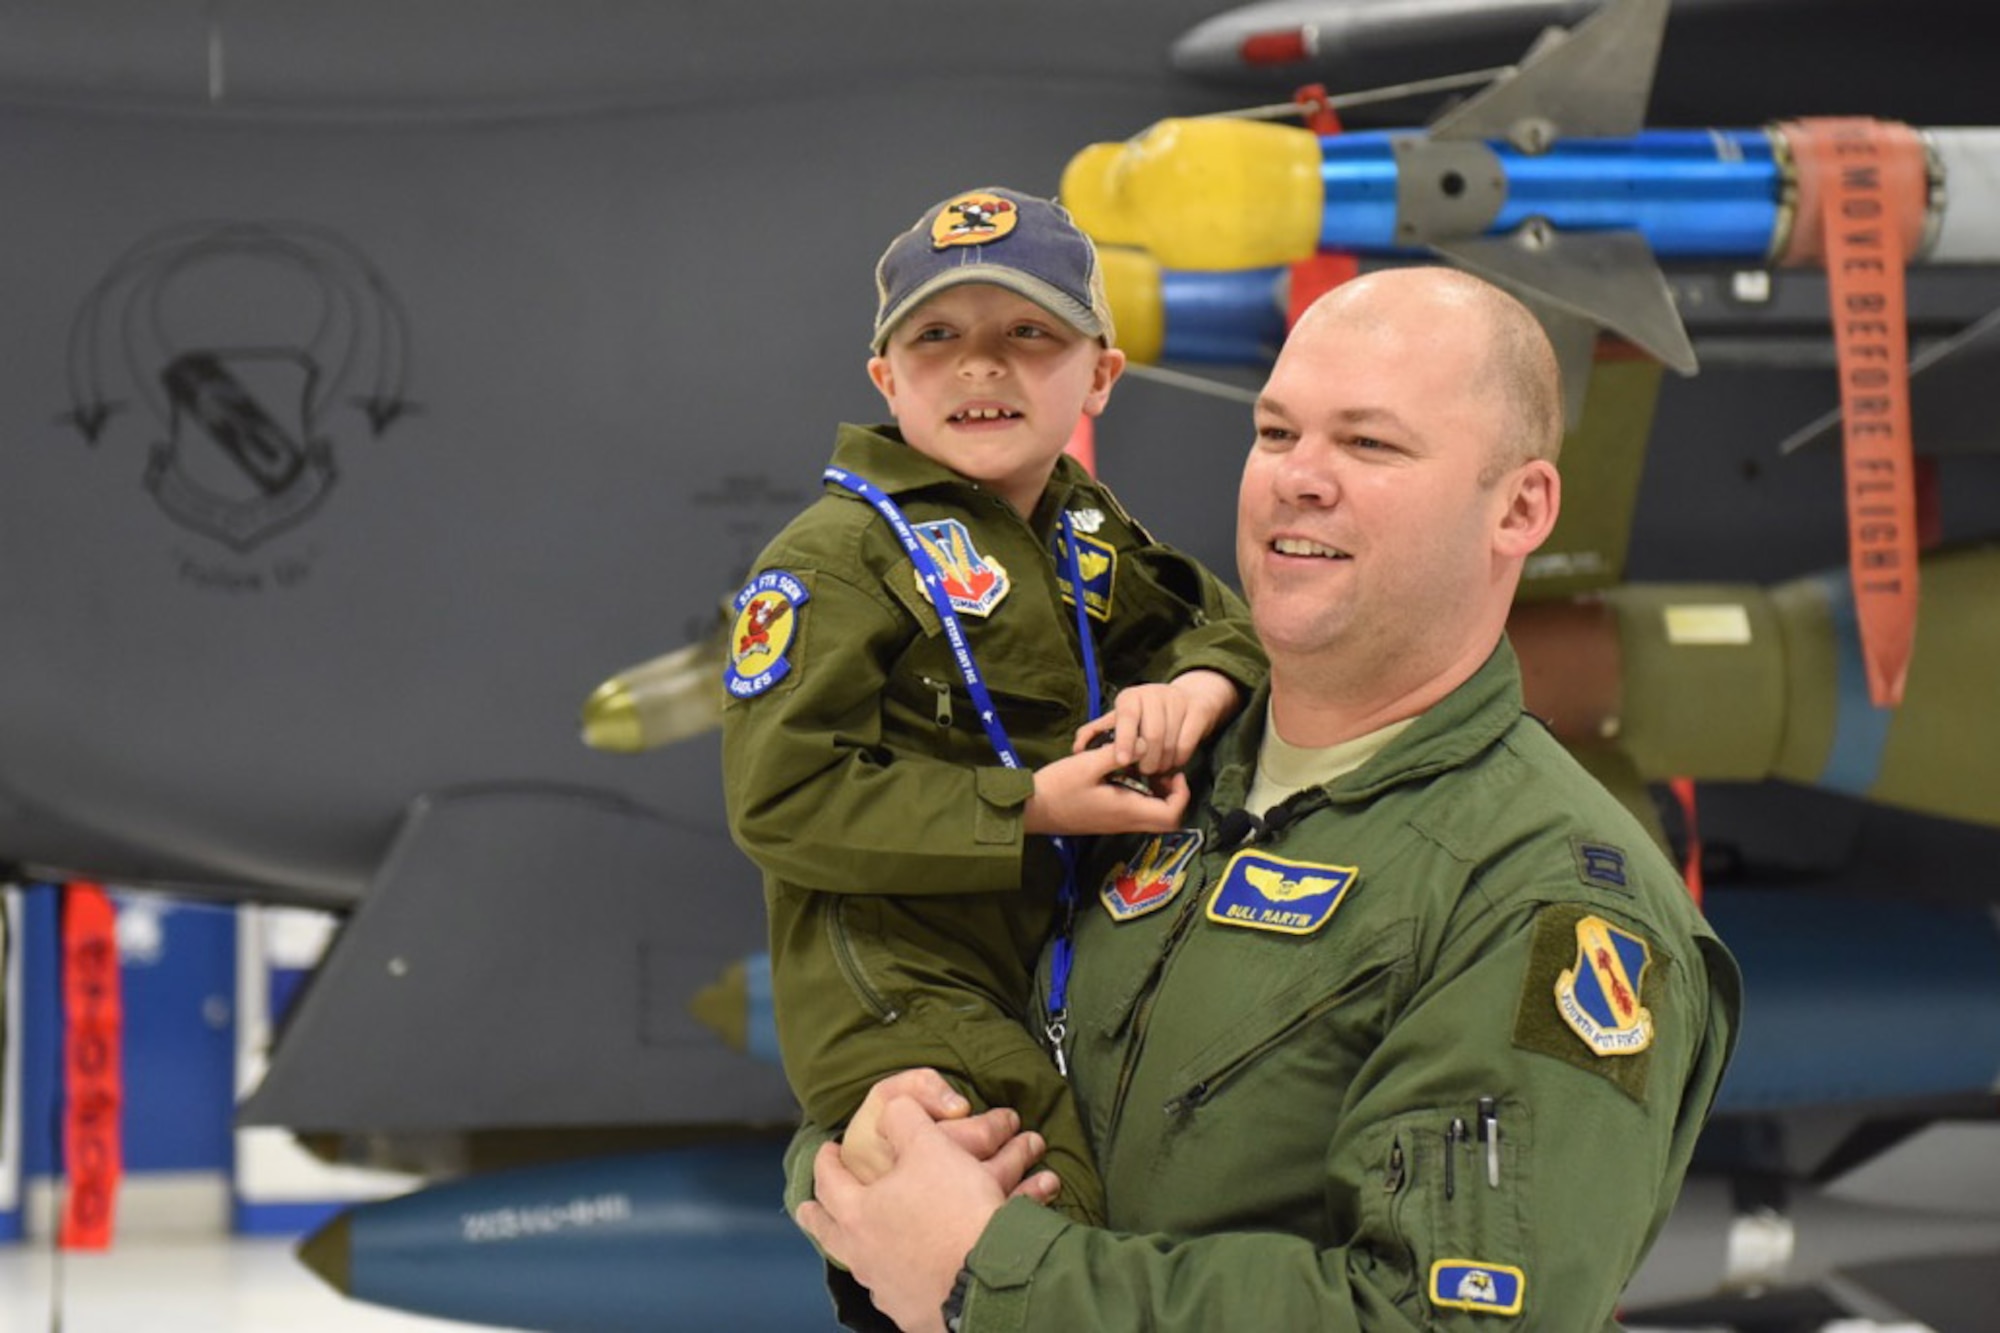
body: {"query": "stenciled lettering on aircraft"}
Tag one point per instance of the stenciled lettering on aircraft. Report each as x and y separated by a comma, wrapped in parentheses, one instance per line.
(248, 345)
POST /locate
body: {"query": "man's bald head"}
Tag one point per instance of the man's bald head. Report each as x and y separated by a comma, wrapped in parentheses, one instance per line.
(1518, 365)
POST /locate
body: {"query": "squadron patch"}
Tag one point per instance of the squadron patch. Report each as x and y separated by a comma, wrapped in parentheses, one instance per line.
(974, 583)
(973, 219)
(767, 622)
(1266, 893)
(1152, 878)
(1466, 1284)
(1598, 995)
(1097, 561)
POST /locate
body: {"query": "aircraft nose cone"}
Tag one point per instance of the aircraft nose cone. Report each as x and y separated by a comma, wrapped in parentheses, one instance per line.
(329, 1253)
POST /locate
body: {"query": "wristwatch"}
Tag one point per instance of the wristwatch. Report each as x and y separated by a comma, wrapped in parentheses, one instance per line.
(954, 1304)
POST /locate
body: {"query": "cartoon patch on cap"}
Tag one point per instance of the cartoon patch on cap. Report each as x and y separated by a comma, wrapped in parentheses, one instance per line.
(1097, 562)
(1266, 893)
(1598, 996)
(1466, 1284)
(974, 583)
(1152, 878)
(767, 622)
(973, 219)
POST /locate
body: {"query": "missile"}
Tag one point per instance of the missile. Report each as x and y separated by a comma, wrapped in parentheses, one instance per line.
(688, 1239)
(1545, 182)
(657, 702)
(1742, 683)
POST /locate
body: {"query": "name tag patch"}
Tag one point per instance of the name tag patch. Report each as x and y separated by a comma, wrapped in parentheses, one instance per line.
(1097, 561)
(767, 623)
(1466, 1284)
(1152, 878)
(1260, 892)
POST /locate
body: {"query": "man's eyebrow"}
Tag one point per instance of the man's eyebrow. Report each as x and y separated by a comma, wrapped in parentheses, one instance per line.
(1349, 416)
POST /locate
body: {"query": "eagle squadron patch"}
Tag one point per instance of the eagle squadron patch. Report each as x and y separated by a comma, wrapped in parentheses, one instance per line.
(1261, 892)
(767, 621)
(1466, 1284)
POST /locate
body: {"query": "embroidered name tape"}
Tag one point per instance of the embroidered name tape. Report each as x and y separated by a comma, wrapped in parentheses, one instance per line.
(767, 623)
(1466, 1284)
(1152, 878)
(1260, 892)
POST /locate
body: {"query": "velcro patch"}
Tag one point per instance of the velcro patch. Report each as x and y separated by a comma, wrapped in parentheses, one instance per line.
(1267, 893)
(1467, 1284)
(1590, 996)
(767, 623)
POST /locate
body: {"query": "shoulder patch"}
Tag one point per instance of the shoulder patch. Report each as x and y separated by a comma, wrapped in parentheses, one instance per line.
(1152, 878)
(767, 624)
(1097, 562)
(1261, 892)
(1601, 865)
(1589, 996)
(1467, 1284)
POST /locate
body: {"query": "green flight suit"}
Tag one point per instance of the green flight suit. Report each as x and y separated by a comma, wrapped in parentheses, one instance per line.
(907, 907)
(1274, 1113)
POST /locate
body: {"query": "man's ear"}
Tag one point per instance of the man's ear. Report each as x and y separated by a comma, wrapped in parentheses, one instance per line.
(1534, 498)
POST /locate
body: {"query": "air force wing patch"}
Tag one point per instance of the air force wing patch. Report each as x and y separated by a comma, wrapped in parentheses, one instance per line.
(1261, 892)
(1466, 1284)
(1152, 878)
(1097, 562)
(767, 623)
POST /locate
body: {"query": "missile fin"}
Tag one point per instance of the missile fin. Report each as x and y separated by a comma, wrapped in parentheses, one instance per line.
(1593, 83)
(1606, 277)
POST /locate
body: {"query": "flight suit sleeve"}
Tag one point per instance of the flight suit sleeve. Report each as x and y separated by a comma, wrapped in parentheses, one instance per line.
(1588, 1160)
(1205, 625)
(817, 798)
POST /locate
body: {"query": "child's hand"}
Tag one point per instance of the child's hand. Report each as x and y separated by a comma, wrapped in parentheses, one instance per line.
(1156, 728)
(1072, 796)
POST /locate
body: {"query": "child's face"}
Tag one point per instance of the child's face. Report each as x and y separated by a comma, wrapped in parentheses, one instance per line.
(989, 384)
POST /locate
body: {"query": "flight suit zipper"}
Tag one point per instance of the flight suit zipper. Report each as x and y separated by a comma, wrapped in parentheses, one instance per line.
(1136, 1039)
(942, 689)
(849, 961)
(1204, 1088)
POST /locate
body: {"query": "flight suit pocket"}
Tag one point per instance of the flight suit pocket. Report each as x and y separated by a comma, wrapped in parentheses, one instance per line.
(1463, 1221)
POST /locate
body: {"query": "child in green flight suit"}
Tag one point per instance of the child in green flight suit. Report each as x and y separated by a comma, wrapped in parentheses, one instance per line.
(915, 674)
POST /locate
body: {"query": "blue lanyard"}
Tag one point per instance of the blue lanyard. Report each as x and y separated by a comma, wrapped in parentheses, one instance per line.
(989, 717)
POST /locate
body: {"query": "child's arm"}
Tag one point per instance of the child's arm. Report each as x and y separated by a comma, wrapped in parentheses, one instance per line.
(1157, 728)
(1072, 796)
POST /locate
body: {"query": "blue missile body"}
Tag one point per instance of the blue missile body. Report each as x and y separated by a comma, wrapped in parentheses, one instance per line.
(1692, 194)
(688, 1240)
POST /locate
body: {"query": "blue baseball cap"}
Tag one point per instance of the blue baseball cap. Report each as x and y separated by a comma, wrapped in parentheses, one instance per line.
(1012, 240)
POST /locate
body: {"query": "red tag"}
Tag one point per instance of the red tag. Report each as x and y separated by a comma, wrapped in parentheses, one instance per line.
(1871, 180)
(92, 1035)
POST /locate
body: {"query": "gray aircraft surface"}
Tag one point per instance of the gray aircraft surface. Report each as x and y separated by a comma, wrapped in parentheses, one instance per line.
(384, 377)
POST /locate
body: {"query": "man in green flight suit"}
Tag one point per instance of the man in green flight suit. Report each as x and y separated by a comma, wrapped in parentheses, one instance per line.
(1412, 1027)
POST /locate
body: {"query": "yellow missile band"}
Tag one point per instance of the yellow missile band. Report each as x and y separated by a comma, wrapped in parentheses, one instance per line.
(1132, 286)
(1203, 193)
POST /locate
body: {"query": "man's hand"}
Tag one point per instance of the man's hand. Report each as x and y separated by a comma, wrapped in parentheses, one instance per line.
(866, 1153)
(1072, 796)
(906, 1236)
(1156, 728)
